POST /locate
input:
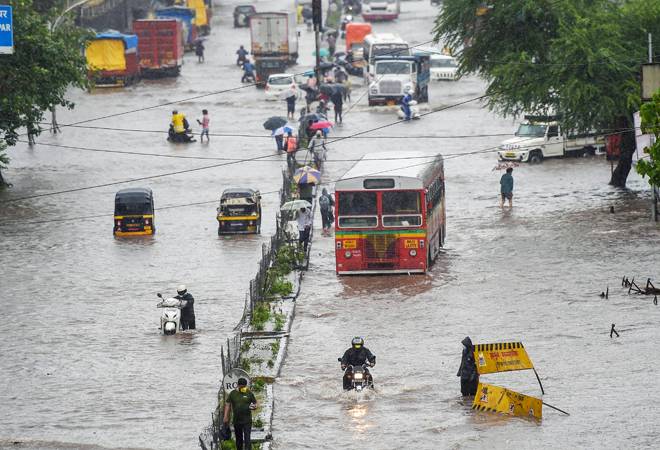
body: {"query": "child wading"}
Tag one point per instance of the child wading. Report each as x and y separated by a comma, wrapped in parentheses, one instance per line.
(205, 126)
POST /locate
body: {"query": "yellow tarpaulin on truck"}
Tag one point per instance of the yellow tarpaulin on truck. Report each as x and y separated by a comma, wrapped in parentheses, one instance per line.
(200, 12)
(501, 357)
(501, 400)
(106, 54)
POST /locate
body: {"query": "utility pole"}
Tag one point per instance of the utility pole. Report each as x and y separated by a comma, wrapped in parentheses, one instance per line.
(654, 189)
(317, 20)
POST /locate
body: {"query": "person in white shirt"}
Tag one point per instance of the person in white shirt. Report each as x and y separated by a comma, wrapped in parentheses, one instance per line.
(304, 226)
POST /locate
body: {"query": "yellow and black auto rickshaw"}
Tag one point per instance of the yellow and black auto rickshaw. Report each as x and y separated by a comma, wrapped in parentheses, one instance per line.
(239, 212)
(134, 212)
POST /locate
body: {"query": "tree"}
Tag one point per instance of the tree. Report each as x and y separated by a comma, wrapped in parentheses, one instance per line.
(650, 114)
(37, 75)
(576, 58)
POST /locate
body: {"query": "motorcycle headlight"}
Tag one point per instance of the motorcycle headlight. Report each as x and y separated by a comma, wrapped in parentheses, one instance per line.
(358, 376)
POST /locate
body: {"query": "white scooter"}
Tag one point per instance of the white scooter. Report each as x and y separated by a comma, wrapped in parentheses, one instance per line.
(414, 111)
(170, 319)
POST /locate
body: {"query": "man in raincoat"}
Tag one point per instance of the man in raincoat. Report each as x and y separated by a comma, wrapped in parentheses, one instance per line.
(468, 370)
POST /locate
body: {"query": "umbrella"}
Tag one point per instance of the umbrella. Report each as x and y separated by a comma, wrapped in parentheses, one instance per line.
(295, 205)
(321, 125)
(307, 175)
(326, 65)
(322, 52)
(283, 130)
(273, 123)
(333, 88)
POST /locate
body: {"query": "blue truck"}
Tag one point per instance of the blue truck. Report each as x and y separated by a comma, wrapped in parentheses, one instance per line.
(187, 18)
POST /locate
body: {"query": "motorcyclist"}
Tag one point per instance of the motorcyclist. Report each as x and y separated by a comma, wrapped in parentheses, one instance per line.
(357, 355)
(179, 127)
(242, 56)
(405, 105)
(188, 311)
(248, 71)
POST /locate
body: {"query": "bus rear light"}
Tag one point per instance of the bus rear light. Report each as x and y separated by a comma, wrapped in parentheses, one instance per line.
(347, 254)
(421, 243)
(118, 222)
(147, 222)
(413, 252)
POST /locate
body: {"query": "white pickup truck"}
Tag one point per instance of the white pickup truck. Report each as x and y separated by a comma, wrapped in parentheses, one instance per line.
(537, 140)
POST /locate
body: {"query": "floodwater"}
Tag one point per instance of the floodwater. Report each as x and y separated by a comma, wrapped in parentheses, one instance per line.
(85, 367)
(531, 274)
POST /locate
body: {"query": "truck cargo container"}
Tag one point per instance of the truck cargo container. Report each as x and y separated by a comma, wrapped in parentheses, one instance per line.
(274, 35)
(112, 59)
(160, 46)
(187, 17)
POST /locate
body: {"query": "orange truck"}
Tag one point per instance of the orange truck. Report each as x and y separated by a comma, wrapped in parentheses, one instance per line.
(355, 34)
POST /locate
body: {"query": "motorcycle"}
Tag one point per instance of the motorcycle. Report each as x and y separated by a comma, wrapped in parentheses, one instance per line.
(170, 318)
(414, 111)
(360, 377)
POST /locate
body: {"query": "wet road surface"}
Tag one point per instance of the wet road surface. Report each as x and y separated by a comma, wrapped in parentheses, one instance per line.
(85, 362)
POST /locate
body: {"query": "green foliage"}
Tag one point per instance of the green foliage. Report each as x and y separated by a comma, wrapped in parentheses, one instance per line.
(281, 287)
(280, 320)
(260, 315)
(275, 346)
(228, 445)
(650, 113)
(257, 422)
(270, 363)
(245, 364)
(579, 58)
(245, 346)
(40, 71)
(258, 385)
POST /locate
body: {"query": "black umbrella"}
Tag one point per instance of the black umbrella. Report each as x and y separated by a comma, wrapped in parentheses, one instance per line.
(326, 65)
(333, 88)
(275, 122)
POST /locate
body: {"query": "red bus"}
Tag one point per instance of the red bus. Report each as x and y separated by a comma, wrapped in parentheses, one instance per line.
(390, 214)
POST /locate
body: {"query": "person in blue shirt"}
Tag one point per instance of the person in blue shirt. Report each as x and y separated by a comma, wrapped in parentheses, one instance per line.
(248, 71)
(506, 188)
(405, 106)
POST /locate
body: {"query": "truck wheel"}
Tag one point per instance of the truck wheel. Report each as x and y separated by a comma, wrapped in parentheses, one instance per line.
(535, 157)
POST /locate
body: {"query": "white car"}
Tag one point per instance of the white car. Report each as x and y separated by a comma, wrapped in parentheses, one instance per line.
(278, 83)
(443, 67)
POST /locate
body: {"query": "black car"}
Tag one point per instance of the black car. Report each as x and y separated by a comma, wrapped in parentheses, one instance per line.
(242, 15)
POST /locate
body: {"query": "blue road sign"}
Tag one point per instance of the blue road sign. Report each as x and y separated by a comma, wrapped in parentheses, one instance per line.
(6, 30)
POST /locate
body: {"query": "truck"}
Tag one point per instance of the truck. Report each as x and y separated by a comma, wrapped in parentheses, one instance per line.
(187, 17)
(160, 46)
(201, 21)
(540, 137)
(395, 75)
(112, 59)
(274, 35)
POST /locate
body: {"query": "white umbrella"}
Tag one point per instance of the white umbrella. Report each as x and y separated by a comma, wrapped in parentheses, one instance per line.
(295, 205)
(288, 93)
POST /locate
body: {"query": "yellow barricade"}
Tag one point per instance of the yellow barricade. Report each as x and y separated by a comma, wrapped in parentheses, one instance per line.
(497, 399)
(501, 357)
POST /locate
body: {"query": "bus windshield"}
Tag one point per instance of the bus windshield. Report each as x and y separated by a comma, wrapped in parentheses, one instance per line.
(402, 209)
(438, 63)
(352, 204)
(393, 68)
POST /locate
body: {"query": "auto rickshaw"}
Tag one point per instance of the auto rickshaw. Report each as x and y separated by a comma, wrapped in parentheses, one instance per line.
(239, 212)
(134, 212)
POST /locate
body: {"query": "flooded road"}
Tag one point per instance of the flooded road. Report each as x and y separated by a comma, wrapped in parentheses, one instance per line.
(81, 357)
(86, 367)
(531, 274)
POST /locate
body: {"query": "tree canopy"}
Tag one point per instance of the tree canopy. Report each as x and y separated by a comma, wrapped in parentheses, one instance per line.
(576, 58)
(38, 74)
(650, 114)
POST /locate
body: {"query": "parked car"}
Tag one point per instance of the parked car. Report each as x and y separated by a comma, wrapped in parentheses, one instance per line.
(280, 82)
(242, 15)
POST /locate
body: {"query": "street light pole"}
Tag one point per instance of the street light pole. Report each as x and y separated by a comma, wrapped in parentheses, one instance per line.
(317, 14)
(54, 128)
